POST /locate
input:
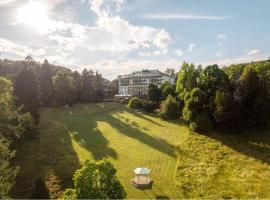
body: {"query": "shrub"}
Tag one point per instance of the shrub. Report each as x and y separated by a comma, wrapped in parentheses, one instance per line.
(135, 103)
(169, 108)
(201, 123)
(167, 90)
(187, 114)
(149, 106)
(70, 194)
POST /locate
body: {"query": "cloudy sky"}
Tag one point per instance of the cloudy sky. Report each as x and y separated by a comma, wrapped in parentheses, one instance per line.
(119, 36)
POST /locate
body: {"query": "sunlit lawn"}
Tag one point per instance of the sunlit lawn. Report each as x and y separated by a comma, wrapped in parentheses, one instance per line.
(130, 139)
(212, 165)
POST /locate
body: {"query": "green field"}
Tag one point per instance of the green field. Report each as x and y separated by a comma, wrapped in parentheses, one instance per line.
(129, 139)
(209, 166)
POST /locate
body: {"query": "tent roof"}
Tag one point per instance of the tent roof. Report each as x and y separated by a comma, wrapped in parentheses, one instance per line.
(142, 170)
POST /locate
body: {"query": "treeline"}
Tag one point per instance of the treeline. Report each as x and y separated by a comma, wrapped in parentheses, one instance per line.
(44, 85)
(25, 87)
(231, 98)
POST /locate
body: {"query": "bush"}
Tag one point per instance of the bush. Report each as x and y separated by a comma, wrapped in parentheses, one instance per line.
(135, 103)
(149, 106)
(201, 123)
(70, 194)
(169, 108)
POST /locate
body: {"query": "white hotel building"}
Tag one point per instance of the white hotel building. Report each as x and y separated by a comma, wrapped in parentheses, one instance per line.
(137, 83)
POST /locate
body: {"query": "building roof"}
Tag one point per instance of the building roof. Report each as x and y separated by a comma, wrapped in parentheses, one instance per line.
(146, 72)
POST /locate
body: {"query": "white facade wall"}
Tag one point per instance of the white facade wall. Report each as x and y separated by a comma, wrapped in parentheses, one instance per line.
(137, 83)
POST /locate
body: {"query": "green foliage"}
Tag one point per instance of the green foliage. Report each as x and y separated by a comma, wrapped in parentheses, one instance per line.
(97, 180)
(170, 108)
(87, 86)
(234, 72)
(201, 123)
(250, 87)
(7, 172)
(13, 124)
(64, 88)
(27, 92)
(70, 194)
(194, 104)
(166, 90)
(187, 79)
(98, 87)
(194, 111)
(78, 86)
(223, 106)
(46, 85)
(135, 103)
(149, 106)
(154, 93)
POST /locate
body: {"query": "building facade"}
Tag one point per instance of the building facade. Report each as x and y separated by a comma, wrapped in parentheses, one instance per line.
(137, 83)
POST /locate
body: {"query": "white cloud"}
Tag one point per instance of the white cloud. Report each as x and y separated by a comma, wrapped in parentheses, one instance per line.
(191, 47)
(110, 36)
(178, 52)
(222, 36)
(219, 54)
(162, 52)
(112, 68)
(6, 2)
(168, 16)
(10, 47)
(144, 54)
(21, 51)
(253, 52)
(162, 39)
(126, 37)
(105, 8)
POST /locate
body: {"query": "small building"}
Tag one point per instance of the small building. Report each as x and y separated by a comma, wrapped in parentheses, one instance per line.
(137, 83)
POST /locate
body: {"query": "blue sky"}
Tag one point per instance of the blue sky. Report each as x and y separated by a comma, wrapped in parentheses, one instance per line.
(119, 36)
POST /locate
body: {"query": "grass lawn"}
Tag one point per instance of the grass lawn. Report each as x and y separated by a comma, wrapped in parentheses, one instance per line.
(209, 165)
(218, 165)
(69, 136)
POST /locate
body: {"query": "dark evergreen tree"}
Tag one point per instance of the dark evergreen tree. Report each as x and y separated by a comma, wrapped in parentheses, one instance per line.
(26, 89)
(77, 84)
(250, 87)
(154, 93)
(64, 88)
(87, 88)
(46, 86)
(98, 87)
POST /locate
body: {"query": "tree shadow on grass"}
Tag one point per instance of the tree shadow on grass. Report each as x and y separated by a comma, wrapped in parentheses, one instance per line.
(50, 157)
(126, 129)
(140, 115)
(253, 143)
(86, 133)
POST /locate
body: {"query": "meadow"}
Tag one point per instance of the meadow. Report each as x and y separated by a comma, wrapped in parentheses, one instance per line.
(130, 139)
(183, 164)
